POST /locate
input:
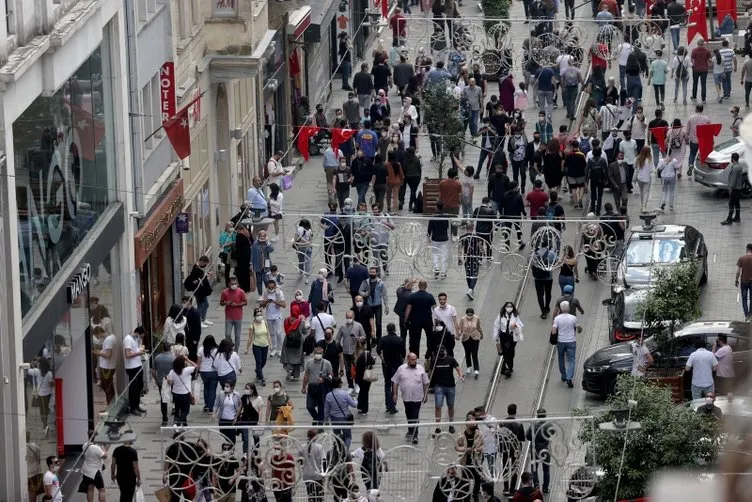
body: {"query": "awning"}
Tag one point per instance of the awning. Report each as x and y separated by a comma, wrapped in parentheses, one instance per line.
(322, 13)
(298, 21)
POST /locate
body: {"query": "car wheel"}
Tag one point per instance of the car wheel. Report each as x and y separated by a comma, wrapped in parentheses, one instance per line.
(611, 387)
(746, 189)
(704, 278)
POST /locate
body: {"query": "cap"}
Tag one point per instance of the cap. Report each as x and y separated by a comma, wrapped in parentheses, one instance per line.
(568, 288)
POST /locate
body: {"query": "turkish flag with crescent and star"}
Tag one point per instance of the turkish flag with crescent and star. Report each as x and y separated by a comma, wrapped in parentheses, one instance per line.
(179, 132)
(698, 24)
(706, 134)
(88, 131)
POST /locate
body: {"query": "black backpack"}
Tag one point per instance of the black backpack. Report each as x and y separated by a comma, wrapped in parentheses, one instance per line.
(293, 340)
(370, 466)
(681, 70)
(418, 204)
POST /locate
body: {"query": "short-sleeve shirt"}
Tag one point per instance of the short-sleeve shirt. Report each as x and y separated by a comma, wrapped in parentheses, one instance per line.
(124, 456)
(129, 342)
(745, 263)
(447, 316)
(640, 361)
(108, 344)
(93, 456)
(51, 479)
(319, 322)
(566, 326)
(659, 68)
(411, 382)
(381, 74)
(421, 303)
(331, 353)
(536, 199)
(727, 55)
(314, 368)
(748, 70)
(702, 361)
(443, 372)
(273, 311)
(725, 362)
(233, 313)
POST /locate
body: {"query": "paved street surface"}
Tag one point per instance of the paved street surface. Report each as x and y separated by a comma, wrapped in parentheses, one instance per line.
(696, 205)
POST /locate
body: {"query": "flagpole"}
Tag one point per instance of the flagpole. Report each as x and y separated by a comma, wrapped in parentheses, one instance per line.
(710, 19)
(173, 117)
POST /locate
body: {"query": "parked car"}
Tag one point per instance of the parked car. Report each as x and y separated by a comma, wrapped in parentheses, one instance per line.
(651, 246)
(624, 321)
(713, 173)
(602, 368)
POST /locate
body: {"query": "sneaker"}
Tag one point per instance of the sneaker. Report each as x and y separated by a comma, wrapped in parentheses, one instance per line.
(164, 423)
(393, 412)
(663, 207)
(306, 280)
(451, 429)
(274, 239)
(476, 374)
(357, 389)
(436, 431)
(436, 273)
(570, 384)
(469, 294)
(209, 323)
(443, 275)
(204, 325)
(362, 413)
(671, 208)
(727, 221)
(415, 440)
(353, 392)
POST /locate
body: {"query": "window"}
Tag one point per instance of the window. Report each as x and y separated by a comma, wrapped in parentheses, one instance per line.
(10, 18)
(146, 114)
(195, 12)
(183, 20)
(156, 115)
(142, 14)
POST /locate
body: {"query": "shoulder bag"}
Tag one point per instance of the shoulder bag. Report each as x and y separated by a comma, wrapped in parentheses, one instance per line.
(348, 416)
(190, 393)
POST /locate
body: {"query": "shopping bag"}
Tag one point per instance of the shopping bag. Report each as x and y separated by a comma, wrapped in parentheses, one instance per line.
(287, 182)
(163, 494)
(166, 392)
(140, 495)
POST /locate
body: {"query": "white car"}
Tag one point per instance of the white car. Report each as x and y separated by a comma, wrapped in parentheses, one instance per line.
(713, 173)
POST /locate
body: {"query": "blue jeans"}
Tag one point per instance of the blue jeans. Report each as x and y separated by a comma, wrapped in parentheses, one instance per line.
(210, 380)
(693, 147)
(698, 392)
(362, 189)
(474, 122)
(440, 393)
(655, 150)
(259, 355)
(315, 403)
(727, 84)
(203, 307)
(345, 69)
(675, 34)
(622, 77)
(746, 290)
(304, 260)
(231, 377)
(229, 327)
(634, 90)
(345, 432)
(566, 349)
(566, 280)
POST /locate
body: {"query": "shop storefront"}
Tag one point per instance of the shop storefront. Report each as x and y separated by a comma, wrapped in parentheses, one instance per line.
(69, 226)
(154, 258)
(321, 49)
(280, 74)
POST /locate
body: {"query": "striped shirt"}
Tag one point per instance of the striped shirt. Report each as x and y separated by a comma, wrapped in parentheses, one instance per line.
(727, 55)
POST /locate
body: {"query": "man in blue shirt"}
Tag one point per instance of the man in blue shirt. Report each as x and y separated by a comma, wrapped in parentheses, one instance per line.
(368, 141)
(545, 77)
(259, 204)
(355, 276)
(437, 74)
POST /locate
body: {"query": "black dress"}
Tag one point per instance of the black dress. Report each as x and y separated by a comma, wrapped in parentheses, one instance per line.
(242, 256)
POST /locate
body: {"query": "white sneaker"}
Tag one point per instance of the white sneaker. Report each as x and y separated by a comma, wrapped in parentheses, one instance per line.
(209, 323)
(476, 373)
(469, 294)
(274, 239)
(357, 389)
(204, 325)
(353, 392)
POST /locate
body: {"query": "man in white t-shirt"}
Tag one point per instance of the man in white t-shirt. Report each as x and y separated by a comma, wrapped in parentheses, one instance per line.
(446, 313)
(273, 301)
(274, 169)
(642, 357)
(320, 321)
(133, 350)
(94, 456)
(50, 480)
(566, 328)
(623, 50)
(106, 362)
(702, 363)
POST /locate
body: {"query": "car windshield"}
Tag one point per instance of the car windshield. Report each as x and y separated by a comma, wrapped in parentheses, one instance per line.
(647, 251)
(631, 313)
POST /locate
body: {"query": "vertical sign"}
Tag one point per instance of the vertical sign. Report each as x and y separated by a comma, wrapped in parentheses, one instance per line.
(167, 91)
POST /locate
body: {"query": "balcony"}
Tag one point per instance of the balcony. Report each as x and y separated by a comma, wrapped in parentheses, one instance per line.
(236, 30)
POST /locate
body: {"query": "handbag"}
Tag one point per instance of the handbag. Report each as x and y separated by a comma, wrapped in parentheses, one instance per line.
(553, 338)
(286, 182)
(163, 494)
(348, 416)
(369, 375)
(165, 392)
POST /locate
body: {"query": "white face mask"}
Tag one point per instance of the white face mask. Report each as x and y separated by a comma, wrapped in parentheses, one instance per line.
(233, 287)
(509, 310)
(259, 318)
(709, 401)
(277, 390)
(318, 357)
(348, 321)
(358, 304)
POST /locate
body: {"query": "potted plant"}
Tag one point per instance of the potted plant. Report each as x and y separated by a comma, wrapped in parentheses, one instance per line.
(442, 117)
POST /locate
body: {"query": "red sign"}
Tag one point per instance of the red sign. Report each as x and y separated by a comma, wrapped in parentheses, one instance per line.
(167, 91)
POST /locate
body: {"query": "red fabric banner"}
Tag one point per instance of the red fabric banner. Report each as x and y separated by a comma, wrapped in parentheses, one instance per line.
(179, 132)
(339, 136)
(304, 135)
(88, 131)
(659, 136)
(706, 139)
(384, 4)
(698, 24)
(725, 7)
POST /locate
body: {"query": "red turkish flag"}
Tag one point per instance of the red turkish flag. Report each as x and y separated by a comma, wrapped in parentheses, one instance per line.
(88, 131)
(705, 139)
(698, 25)
(179, 132)
(339, 136)
(304, 135)
(725, 7)
(659, 136)
(384, 7)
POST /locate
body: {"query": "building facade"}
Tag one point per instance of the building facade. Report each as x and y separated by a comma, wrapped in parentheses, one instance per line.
(66, 199)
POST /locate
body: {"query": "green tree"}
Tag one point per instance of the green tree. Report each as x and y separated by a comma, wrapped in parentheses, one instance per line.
(441, 114)
(670, 436)
(672, 300)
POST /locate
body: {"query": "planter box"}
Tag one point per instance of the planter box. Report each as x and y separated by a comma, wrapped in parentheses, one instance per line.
(430, 195)
(674, 379)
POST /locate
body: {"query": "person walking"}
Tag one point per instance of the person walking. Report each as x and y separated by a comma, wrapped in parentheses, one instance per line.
(208, 372)
(438, 239)
(743, 280)
(276, 400)
(333, 352)
(728, 57)
(321, 292)
(450, 194)
(680, 65)
(233, 299)
(363, 364)
(364, 87)
(400, 305)
(292, 348)
(227, 363)
(412, 380)
(199, 283)
(226, 411)
(469, 446)
(419, 315)
(93, 461)
(337, 406)
(643, 175)
(251, 411)
(701, 64)
(261, 259)
(696, 119)
(702, 363)
(513, 434)
(316, 378)
(746, 79)
(125, 470)
(568, 296)
(597, 174)
(161, 367)
(540, 434)
(355, 275)
(444, 386)
(642, 359)
(180, 379)
(668, 170)
(470, 333)
(474, 96)
(133, 350)
(618, 173)
(657, 78)
(542, 266)
(241, 254)
(374, 291)
(507, 331)
(736, 178)
(273, 301)
(391, 349)
(258, 340)
(413, 174)
(568, 272)
(565, 329)
(655, 147)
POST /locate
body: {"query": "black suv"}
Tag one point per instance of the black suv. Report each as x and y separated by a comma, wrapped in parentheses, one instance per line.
(602, 368)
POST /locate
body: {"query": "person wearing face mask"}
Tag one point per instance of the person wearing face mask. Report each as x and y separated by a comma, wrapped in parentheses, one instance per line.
(709, 409)
(355, 275)
(233, 299)
(362, 173)
(411, 378)
(618, 173)
(471, 333)
(469, 446)
(258, 339)
(419, 315)
(642, 357)
(275, 401)
(391, 349)
(261, 259)
(302, 303)
(51, 482)
(374, 291)
(133, 350)
(318, 373)
(364, 315)
(292, 348)
(403, 294)
(273, 301)
(513, 207)
(342, 181)
(251, 410)
(351, 110)
(507, 332)
(333, 352)
(199, 282)
(349, 336)
(227, 409)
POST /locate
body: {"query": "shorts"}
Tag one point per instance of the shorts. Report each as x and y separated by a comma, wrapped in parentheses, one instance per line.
(86, 482)
(576, 182)
(35, 484)
(439, 393)
(718, 78)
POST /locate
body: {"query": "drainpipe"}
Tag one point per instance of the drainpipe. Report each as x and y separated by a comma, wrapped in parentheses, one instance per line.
(134, 113)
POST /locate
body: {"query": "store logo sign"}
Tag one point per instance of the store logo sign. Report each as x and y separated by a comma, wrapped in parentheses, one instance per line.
(167, 91)
(77, 285)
